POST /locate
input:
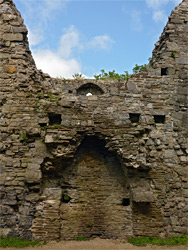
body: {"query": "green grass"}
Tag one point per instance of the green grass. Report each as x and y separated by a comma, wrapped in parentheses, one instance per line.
(18, 243)
(173, 241)
(82, 238)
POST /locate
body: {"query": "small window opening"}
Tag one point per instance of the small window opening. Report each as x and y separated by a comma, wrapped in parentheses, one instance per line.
(134, 117)
(125, 202)
(70, 91)
(66, 198)
(185, 22)
(89, 88)
(164, 71)
(89, 94)
(54, 118)
(159, 118)
(43, 124)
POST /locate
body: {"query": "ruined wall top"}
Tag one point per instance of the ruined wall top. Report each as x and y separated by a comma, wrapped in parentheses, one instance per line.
(171, 51)
(16, 62)
(169, 55)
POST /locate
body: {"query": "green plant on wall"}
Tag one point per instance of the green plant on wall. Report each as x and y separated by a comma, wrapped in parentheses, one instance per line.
(24, 137)
(139, 68)
(89, 224)
(113, 75)
(82, 238)
(78, 76)
(173, 54)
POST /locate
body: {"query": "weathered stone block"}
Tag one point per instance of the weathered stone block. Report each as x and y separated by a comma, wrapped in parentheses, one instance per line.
(143, 196)
(13, 37)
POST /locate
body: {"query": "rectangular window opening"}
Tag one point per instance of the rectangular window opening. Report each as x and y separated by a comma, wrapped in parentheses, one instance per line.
(125, 202)
(164, 71)
(159, 118)
(134, 117)
(54, 118)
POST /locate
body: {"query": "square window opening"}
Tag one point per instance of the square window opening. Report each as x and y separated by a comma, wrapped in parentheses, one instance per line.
(125, 202)
(54, 118)
(134, 117)
(159, 119)
(164, 71)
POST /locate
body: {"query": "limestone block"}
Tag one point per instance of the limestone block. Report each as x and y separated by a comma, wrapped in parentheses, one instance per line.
(32, 176)
(52, 193)
(4, 231)
(2, 146)
(182, 60)
(184, 159)
(8, 17)
(169, 154)
(142, 196)
(131, 86)
(9, 69)
(49, 139)
(13, 37)
(33, 173)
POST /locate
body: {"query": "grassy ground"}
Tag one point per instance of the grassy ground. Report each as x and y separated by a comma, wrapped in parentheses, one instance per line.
(173, 241)
(18, 243)
(139, 241)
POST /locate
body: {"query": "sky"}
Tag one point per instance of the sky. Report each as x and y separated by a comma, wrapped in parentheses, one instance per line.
(67, 37)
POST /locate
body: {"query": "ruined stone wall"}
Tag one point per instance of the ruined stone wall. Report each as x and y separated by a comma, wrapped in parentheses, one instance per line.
(113, 164)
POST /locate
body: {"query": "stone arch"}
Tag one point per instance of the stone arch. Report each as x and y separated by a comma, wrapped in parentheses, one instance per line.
(97, 194)
(91, 88)
(87, 195)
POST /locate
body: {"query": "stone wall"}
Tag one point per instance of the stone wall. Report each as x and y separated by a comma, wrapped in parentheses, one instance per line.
(112, 164)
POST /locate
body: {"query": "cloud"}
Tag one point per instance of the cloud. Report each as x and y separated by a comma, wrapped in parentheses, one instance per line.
(56, 66)
(102, 42)
(69, 41)
(35, 37)
(72, 40)
(136, 21)
(157, 7)
(159, 16)
(47, 8)
(62, 62)
(156, 4)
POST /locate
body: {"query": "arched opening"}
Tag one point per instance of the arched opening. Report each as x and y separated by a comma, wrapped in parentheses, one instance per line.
(89, 88)
(98, 192)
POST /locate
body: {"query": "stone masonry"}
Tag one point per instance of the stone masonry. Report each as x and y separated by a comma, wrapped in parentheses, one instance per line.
(113, 164)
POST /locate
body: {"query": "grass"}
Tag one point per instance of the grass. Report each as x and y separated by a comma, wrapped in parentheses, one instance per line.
(82, 238)
(173, 241)
(18, 243)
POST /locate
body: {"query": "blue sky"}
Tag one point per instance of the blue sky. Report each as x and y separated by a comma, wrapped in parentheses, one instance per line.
(72, 36)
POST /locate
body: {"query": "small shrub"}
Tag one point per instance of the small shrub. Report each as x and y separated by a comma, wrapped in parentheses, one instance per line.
(139, 68)
(43, 128)
(57, 137)
(78, 76)
(112, 75)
